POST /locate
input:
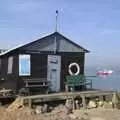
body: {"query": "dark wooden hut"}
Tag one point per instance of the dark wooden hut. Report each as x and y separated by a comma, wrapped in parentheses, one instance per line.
(47, 58)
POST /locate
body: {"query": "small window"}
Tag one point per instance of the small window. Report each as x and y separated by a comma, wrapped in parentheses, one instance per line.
(10, 65)
(24, 65)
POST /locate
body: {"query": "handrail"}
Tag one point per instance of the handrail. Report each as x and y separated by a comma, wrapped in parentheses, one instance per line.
(90, 76)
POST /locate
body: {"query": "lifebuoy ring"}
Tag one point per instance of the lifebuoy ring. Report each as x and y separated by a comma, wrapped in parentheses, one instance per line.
(77, 66)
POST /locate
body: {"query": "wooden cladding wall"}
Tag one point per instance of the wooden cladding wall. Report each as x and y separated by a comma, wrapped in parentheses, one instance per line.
(66, 60)
(38, 66)
(13, 80)
(3, 66)
(8, 80)
(38, 69)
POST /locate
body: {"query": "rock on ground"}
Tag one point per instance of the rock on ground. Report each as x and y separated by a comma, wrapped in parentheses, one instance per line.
(92, 104)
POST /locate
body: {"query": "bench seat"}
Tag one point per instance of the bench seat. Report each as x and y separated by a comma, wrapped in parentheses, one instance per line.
(78, 80)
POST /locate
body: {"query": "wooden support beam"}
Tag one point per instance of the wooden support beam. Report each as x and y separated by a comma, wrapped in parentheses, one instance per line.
(115, 99)
(104, 98)
(30, 103)
(73, 102)
(84, 102)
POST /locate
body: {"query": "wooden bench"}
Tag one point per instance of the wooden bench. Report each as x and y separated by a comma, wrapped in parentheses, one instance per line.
(39, 83)
(36, 83)
(77, 81)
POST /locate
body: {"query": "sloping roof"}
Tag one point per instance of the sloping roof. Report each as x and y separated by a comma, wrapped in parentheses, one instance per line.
(74, 43)
(48, 36)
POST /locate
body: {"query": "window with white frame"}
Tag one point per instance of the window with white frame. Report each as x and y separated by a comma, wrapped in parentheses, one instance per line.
(24, 65)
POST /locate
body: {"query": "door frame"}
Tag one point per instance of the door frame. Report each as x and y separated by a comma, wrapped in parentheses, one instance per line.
(51, 68)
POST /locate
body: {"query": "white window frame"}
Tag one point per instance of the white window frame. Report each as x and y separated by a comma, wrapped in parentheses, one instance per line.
(24, 65)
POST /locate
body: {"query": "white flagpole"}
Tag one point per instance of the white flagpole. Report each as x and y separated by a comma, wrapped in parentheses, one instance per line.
(55, 41)
(56, 21)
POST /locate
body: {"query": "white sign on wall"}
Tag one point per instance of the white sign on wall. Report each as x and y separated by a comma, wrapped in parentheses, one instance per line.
(24, 65)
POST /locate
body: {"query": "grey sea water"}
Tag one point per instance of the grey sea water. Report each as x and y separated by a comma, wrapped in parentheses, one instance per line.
(109, 82)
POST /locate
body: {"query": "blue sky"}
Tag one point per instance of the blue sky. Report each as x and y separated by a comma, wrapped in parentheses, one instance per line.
(94, 24)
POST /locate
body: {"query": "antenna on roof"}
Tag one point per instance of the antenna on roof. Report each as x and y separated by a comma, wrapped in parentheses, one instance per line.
(55, 39)
(56, 21)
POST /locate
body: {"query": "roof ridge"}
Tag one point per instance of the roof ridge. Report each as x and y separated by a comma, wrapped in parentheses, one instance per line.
(29, 43)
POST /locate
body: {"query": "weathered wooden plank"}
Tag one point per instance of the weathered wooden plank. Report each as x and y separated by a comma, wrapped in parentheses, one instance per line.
(64, 96)
(89, 93)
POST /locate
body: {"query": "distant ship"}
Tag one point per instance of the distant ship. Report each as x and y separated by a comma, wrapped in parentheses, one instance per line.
(104, 72)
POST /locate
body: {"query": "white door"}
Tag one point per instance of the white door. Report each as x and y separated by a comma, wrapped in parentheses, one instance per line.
(53, 72)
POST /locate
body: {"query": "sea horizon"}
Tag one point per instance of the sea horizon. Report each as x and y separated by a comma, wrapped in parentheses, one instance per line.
(109, 82)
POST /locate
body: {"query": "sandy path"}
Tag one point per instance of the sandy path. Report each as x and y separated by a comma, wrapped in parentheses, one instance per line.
(59, 114)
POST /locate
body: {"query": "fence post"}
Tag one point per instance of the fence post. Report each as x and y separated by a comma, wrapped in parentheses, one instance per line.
(84, 102)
